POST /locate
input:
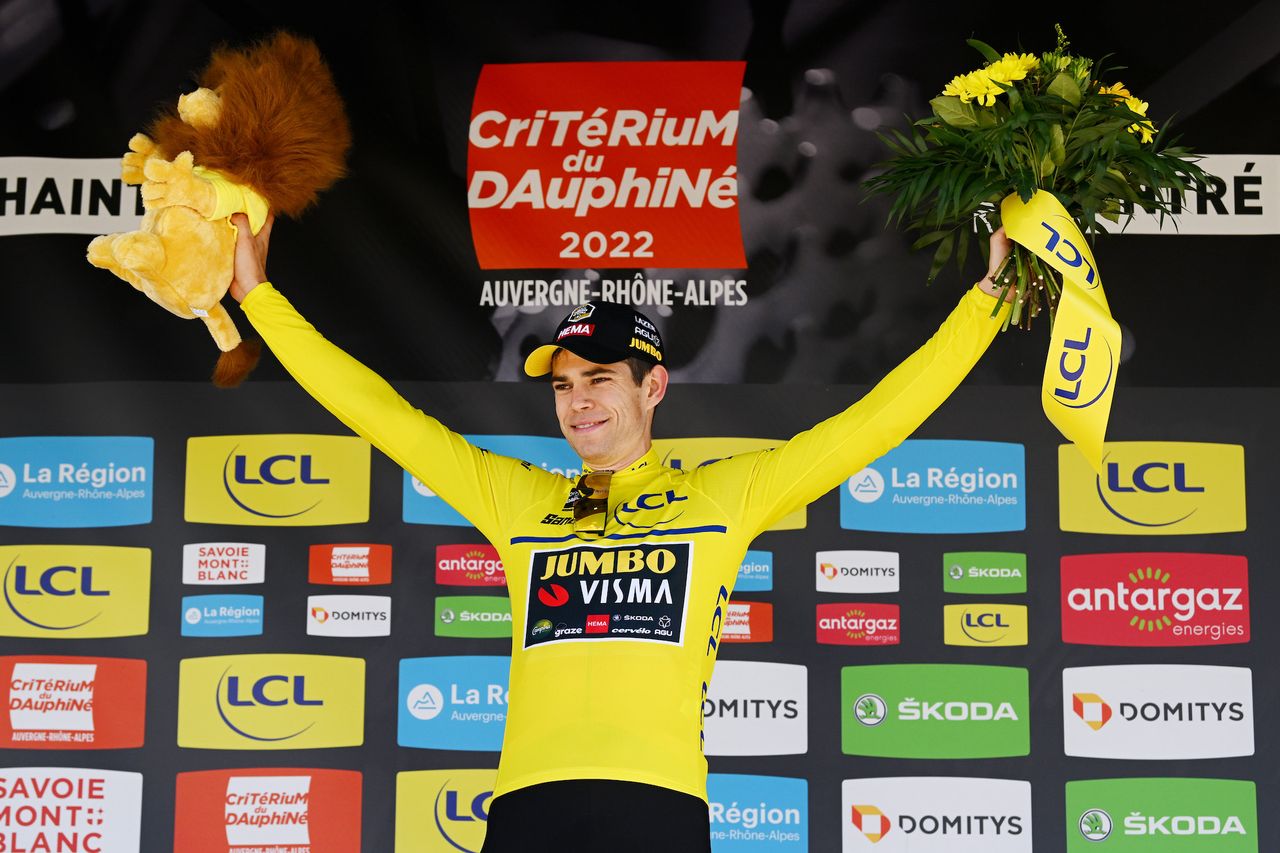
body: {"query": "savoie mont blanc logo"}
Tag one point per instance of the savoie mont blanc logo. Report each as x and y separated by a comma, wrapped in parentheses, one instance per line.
(76, 481)
(938, 486)
(277, 480)
(74, 591)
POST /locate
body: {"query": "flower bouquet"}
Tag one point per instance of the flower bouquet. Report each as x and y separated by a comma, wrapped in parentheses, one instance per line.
(1020, 124)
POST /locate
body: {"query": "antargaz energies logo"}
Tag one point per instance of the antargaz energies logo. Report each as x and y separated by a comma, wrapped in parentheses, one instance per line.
(270, 702)
(1160, 815)
(74, 591)
(277, 480)
(1153, 488)
(859, 624)
(934, 711)
(1155, 599)
(443, 811)
(76, 481)
(469, 565)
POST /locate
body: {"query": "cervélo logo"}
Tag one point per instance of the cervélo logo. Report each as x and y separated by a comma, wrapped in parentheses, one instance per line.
(933, 486)
(70, 809)
(984, 624)
(934, 711)
(473, 616)
(1155, 599)
(1152, 488)
(1169, 711)
(223, 563)
(754, 708)
(606, 163)
(750, 814)
(924, 814)
(349, 615)
(277, 480)
(74, 591)
(349, 565)
(756, 572)
(856, 571)
(270, 702)
(747, 622)
(859, 624)
(984, 572)
(221, 615)
(458, 814)
(72, 702)
(76, 481)
(1159, 815)
(453, 702)
(469, 565)
(280, 809)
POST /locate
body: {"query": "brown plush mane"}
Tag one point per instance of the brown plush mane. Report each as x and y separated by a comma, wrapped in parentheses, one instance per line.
(282, 129)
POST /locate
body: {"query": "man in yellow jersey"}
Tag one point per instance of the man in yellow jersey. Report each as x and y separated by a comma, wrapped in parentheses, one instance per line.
(618, 581)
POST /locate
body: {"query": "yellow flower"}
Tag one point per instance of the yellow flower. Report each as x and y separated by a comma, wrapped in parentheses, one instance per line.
(1012, 66)
(1116, 89)
(1144, 129)
(974, 86)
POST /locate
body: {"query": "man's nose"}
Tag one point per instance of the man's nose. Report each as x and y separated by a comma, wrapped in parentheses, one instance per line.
(582, 397)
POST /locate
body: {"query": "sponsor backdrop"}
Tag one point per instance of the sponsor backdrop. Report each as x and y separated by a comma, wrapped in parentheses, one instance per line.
(229, 626)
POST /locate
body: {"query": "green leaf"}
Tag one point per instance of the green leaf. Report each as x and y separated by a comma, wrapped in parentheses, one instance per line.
(1065, 87)
(1056, 147)
(941, 256)
(987, 51)
(953, 111)
(928, 239)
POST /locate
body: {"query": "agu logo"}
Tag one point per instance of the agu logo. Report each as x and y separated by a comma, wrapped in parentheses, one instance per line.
(270, 702)
(74, 591)
(1153, 488)
(280, 809)
(72, 702)
(443, 811)
(985, 625)
(277, 480)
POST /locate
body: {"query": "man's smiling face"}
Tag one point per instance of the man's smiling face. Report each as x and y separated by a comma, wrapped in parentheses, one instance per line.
(606, 417)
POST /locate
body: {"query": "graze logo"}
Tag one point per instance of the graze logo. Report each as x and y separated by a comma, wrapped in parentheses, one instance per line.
(934, 711)
(1155, 599)
(984, 624)
(277, 480)
(1158, 815)
(271, 702)
(1236, 200)
(349, 565)
(443, 810)
(689, 454)
(469, 565)
(935, 486)
(857, 571)
(605, 164)
(473, 616)
(72, 702)
(756, 572)
(1153, 488)
(76, 481)
(59, 195)
(754, 708)
(424, 506)
(74, 591)
(755, 813)
(984, 572)
(1157, 712)
(48, 809)
(284, 810)
(349, 615)
(453, 702)
(936, 814)
(221, 615)
(747, 622)
(223, 563)
(632, 593)
(859, 624)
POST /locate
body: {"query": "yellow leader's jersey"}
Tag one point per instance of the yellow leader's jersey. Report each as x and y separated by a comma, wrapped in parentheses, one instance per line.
(613, 641)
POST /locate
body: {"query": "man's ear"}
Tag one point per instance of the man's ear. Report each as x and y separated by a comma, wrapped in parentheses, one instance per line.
(655, 385)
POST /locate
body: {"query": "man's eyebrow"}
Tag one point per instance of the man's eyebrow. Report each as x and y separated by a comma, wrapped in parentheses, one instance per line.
(606, 369)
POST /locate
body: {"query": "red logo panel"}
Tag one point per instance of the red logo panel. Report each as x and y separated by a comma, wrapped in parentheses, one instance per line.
(598, 623)
(747, 622)
(350, 565)
(72, 702)
(469, 565)
(861, 624)
(605, 164)
(1155, 599)
(280, 810)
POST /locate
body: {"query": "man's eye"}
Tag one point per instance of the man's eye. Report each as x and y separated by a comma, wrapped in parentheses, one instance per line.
(598, 379)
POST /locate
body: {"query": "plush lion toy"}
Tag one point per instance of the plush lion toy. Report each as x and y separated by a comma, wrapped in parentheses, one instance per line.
(266, 132)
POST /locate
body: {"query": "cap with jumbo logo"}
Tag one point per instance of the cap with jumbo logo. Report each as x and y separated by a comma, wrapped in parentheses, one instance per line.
(602, 332)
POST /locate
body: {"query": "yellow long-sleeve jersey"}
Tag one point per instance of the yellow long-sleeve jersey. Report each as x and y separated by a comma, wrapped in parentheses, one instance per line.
(614, 640)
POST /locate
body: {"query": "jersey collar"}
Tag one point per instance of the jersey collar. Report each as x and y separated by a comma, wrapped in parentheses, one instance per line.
(645, 464)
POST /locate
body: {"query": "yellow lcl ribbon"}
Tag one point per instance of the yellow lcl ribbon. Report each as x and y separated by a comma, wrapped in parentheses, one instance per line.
(1084, 350)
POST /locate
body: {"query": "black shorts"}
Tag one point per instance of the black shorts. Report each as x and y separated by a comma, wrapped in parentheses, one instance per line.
(597, 816)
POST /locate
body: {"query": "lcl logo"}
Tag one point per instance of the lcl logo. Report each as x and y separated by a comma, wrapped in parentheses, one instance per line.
(55, 581)
(258, 692)
(1143, 480)
(267, 470)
